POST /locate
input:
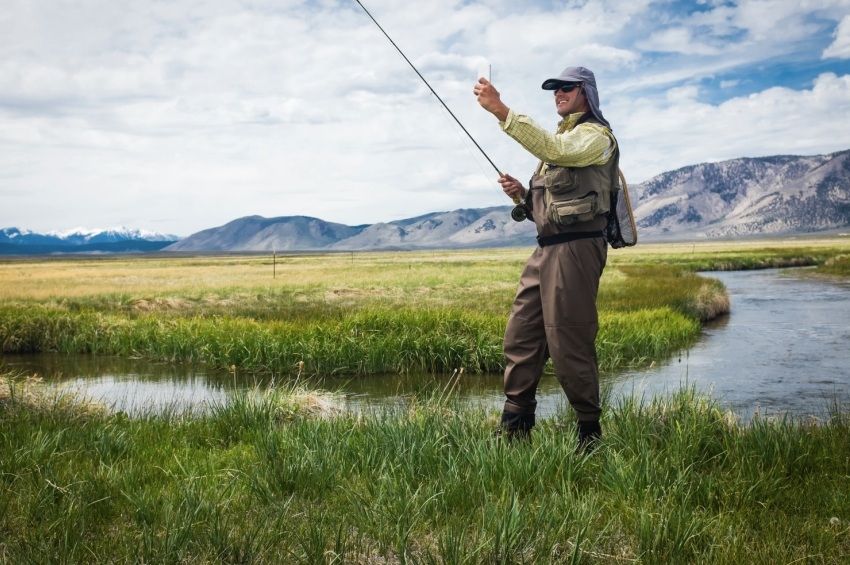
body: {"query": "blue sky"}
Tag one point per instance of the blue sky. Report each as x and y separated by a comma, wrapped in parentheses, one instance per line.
(177, 116)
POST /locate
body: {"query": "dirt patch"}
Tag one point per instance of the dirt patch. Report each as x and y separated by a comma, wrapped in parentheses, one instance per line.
(30, 392)
(157, 304)
(347, 294)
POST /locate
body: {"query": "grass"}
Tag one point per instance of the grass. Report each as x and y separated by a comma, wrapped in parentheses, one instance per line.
(284, 475)
(266, 479)
(357, 313)
(362, 313)
(365, 342)
(837, 266)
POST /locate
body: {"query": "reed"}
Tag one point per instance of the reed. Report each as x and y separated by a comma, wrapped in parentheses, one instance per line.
(364, 342)
(675, 480)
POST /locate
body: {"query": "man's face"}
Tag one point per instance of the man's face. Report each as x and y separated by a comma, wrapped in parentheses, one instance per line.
(570, 102)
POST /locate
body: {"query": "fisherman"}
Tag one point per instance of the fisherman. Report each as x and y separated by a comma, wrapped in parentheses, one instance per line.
(554, 312)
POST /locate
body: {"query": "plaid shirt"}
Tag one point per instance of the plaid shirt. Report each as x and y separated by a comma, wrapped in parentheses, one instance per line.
(571, 146)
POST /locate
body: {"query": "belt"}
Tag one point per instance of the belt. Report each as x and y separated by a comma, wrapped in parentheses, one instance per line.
(543, 241)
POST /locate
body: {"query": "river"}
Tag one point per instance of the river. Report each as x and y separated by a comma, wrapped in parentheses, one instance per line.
(782, 350)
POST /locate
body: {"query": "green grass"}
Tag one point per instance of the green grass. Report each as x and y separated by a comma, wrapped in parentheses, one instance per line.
(395, 313)
(357, 314)
(281, 476)
(265, 480)
(364, 342)
(838, 266)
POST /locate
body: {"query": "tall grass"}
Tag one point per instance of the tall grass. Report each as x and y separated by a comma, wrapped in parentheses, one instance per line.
(259, 480)
(365, 342)
(836, 266)
(358, 313)
(434, 315)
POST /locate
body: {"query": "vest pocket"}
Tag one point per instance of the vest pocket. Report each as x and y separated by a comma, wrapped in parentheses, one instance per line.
(566, 212)
(559, 180)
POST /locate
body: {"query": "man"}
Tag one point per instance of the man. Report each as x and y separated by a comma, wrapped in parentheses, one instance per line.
(554, 312)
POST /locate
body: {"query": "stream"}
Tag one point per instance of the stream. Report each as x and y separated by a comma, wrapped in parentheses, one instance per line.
(782, 351)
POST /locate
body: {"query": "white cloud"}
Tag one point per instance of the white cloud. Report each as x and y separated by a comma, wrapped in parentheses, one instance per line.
(176, 116)
(680, 94)
(764, 18)
(840, 48)
(603, 57)
(676, 40)
(663, 135)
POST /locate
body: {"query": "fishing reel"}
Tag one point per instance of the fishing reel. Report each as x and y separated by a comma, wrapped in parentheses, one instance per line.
(519, 213)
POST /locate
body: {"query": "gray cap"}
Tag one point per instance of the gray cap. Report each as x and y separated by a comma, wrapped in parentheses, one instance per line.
(586, 78)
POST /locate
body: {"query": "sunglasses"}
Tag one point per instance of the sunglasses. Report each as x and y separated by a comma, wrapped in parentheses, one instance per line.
(567, 88)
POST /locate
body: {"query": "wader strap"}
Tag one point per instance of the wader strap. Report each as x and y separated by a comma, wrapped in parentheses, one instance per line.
(543, 241)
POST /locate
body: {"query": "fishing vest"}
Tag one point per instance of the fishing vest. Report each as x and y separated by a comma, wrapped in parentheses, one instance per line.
(573, 199)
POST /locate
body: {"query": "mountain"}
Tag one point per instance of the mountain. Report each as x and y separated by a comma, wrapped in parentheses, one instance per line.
(737, 198)
(778, 195)
(475, 227)
(14, 241)
(481, 227)
(784, 194)
(255, 233)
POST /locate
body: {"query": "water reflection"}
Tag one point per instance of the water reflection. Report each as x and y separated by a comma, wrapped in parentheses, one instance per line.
(783, 349)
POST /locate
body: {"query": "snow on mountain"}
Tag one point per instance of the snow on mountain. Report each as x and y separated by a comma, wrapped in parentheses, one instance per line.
(101, 235)
(17, 241)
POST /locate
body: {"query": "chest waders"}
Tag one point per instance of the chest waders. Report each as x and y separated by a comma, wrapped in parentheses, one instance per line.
(554, 314)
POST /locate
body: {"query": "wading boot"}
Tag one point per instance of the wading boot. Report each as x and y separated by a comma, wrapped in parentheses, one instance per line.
(589, 434)
(515, 426)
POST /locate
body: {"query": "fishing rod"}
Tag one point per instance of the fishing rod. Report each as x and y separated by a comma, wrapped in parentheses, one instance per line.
(519, 212)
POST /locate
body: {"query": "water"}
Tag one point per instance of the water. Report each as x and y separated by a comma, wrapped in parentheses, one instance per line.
(783, 350)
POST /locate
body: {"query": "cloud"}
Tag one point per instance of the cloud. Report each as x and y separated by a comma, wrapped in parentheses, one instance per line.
(603, 57)
(658, 135)
(840, 47)
(217, 109)
(677, 40)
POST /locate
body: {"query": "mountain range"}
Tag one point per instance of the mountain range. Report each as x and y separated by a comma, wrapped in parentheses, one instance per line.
(14, 241)
(474, 227)
(778, 195)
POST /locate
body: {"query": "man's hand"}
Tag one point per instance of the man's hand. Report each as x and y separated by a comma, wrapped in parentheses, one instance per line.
(512, 187)
(489, 99)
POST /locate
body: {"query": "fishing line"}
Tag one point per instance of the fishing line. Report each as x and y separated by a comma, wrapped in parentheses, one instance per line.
(519, 212)
(434, 92)
(473, 156)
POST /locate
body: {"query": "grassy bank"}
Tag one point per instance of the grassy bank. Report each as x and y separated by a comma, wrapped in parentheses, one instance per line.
(376, 313)
(269, 478)
(359, 313)
(365, 342)
(838, 266)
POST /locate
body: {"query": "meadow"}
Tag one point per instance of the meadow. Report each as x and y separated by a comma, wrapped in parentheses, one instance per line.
(359, 313)
(284, 475)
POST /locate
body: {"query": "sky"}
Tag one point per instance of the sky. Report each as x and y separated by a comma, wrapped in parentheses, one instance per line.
(176, 116)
